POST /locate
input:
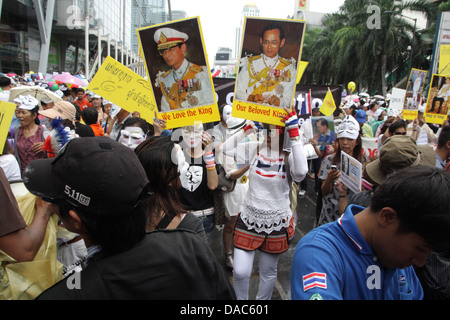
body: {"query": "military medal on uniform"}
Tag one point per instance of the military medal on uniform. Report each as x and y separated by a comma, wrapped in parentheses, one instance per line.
(270, 78)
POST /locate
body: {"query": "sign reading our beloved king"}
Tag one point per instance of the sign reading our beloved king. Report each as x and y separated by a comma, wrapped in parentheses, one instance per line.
(178, 71)
(268, 66)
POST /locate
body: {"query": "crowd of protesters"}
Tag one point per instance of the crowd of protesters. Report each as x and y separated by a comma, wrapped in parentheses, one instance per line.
(136, 203)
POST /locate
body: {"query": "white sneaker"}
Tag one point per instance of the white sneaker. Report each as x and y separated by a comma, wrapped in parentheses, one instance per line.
(302, 193)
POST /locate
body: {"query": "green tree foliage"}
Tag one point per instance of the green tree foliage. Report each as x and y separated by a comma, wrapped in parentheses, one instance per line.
(349, 48)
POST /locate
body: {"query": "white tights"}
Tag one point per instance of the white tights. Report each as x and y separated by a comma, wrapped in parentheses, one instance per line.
(242, 270)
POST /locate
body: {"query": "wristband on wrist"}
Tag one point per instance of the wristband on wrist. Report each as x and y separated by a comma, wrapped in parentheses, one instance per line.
(291, 122)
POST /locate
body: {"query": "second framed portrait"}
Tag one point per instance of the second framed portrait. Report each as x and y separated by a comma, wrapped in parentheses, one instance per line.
(266, 80)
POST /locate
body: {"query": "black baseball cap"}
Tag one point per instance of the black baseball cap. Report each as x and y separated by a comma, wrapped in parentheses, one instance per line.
(96, 174)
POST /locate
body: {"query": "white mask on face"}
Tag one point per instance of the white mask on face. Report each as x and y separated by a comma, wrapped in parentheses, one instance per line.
(132, 136)
(226, 113)
(192, 135)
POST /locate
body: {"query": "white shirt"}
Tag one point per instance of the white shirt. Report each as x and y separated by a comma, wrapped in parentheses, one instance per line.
(266, 207)
(4, 96)
(10, 166)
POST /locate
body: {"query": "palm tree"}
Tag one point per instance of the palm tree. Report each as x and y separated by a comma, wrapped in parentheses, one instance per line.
(354, 52)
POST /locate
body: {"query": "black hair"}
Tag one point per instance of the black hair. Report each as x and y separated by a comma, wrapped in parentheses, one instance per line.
(80, 90)
(396, 125)
(4, 82)
(444, 136)
(142, 123)
(35, 111)
(419, 195)
(323, 122)
(157, 157)
(90, 115)
(115, 233)
(77, 111)
(273, 26)
(83, 130)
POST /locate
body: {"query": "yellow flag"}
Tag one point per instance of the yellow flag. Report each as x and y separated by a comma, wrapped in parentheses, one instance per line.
(328, 105)
(301, 69)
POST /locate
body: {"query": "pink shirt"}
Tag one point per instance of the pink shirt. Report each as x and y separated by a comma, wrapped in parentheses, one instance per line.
(24, 147)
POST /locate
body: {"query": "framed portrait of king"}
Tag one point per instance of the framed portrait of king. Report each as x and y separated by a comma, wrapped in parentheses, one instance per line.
(268, 65)
(177, 68)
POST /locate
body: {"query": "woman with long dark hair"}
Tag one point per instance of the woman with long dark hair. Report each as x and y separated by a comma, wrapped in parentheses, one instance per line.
(160, 157)
(349, 141)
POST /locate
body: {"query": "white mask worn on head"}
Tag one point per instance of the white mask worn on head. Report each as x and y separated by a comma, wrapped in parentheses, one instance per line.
(349, 128)
(132, 136)
(192, 135)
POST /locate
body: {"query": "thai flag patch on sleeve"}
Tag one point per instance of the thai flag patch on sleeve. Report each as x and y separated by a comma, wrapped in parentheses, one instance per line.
(314, 280)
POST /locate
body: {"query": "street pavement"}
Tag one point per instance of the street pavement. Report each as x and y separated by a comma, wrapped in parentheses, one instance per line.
(306, 213)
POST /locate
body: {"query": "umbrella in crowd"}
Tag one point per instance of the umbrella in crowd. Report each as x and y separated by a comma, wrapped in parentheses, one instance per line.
(35, 91)
(70, 80)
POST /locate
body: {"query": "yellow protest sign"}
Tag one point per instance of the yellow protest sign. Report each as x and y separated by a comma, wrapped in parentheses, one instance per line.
(120, 85)
(444, 59)
(7, 110)
(328, 105)
(438, 100)
(259, 113)
(301, 69)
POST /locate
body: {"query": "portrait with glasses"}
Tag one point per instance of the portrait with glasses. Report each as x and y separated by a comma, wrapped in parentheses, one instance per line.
(270, 52)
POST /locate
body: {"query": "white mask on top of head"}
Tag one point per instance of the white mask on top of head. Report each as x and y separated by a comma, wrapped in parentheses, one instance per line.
(132, 136)
(349, 128)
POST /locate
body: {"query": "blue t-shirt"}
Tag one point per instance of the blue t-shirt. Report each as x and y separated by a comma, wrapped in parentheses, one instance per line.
(334, 262)
(326, 139)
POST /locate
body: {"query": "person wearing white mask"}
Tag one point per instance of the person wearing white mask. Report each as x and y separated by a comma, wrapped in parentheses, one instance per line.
(349, 141)
(198, 174)
(134, 132)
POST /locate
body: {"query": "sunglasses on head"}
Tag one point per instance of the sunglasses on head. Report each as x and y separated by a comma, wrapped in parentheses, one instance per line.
(399, 133)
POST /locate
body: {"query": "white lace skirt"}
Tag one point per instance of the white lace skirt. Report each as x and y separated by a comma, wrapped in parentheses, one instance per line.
(267, 216)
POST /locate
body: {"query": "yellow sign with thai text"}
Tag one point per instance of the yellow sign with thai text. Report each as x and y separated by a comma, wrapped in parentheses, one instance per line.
(120, 85)
(7, 110)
